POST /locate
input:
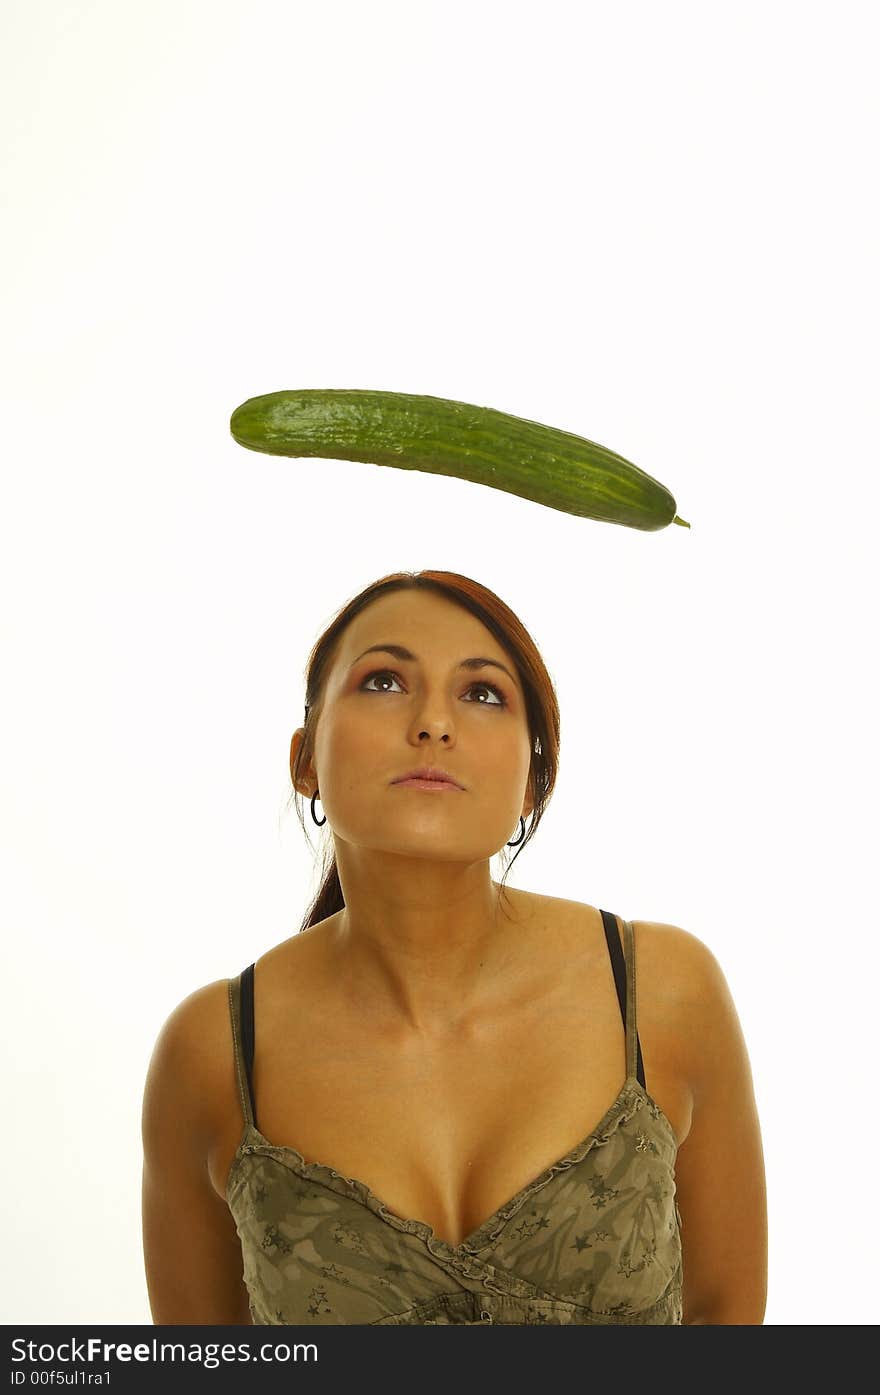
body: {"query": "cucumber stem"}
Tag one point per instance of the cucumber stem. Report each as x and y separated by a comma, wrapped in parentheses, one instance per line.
(676, 519)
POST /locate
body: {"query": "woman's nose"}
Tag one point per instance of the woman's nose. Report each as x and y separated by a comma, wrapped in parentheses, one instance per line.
(433, 715)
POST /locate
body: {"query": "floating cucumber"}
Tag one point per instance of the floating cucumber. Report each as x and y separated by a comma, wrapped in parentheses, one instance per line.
(443, 437)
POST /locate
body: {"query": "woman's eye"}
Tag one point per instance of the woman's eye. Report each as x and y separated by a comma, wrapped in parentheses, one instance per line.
(380, 673)
(490, 688)
(387, 673)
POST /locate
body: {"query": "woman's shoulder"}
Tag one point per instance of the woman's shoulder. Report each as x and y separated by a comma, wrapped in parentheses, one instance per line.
(682, 987)
(198, 1016)
(674, 967)
(671, 952)
(188, 1074)
(657, 943)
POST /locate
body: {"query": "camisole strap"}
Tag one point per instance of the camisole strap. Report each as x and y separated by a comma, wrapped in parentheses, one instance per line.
(241, 1012)
(623, 964)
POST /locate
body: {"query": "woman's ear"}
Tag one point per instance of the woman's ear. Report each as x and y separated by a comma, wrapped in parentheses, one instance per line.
(307, 780)
(528, 802)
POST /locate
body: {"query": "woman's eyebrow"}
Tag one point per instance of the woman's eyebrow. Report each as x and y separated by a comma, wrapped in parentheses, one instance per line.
(399, 652)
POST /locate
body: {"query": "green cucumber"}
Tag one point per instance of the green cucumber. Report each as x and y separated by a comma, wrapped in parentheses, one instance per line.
(442, 437)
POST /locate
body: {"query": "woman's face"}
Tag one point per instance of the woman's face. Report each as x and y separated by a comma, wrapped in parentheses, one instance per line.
(384, 714)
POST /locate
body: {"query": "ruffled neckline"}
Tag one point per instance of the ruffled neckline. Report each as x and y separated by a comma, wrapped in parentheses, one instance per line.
(631, 1098)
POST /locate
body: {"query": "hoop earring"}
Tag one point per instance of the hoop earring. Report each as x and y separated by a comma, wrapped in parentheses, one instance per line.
(318, 821)
(516, 842)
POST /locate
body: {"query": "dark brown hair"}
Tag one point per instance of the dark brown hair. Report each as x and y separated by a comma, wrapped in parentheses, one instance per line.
(542, 708)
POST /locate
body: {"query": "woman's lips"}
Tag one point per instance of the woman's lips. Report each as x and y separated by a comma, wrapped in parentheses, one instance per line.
(426, 784)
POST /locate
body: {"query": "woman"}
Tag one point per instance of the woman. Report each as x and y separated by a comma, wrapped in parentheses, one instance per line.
(383, 1119)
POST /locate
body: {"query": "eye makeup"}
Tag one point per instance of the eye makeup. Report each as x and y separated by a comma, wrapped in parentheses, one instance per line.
(477, 683)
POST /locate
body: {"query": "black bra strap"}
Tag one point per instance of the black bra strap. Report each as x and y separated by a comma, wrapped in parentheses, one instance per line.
(247, 1031)
(618, 965)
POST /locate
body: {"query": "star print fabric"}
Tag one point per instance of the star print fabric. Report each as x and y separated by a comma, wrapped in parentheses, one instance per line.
(593, 1239)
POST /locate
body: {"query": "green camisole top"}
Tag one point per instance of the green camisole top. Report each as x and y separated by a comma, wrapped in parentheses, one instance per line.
(594, 1238)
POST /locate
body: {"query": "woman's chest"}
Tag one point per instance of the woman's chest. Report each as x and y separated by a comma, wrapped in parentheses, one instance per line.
(447, 1130)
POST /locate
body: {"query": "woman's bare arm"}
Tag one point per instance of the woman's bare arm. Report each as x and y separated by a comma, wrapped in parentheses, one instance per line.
(192, 1253)
(720, 1178)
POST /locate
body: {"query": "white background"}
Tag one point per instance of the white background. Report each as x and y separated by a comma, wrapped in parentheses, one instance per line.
(652, 225)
